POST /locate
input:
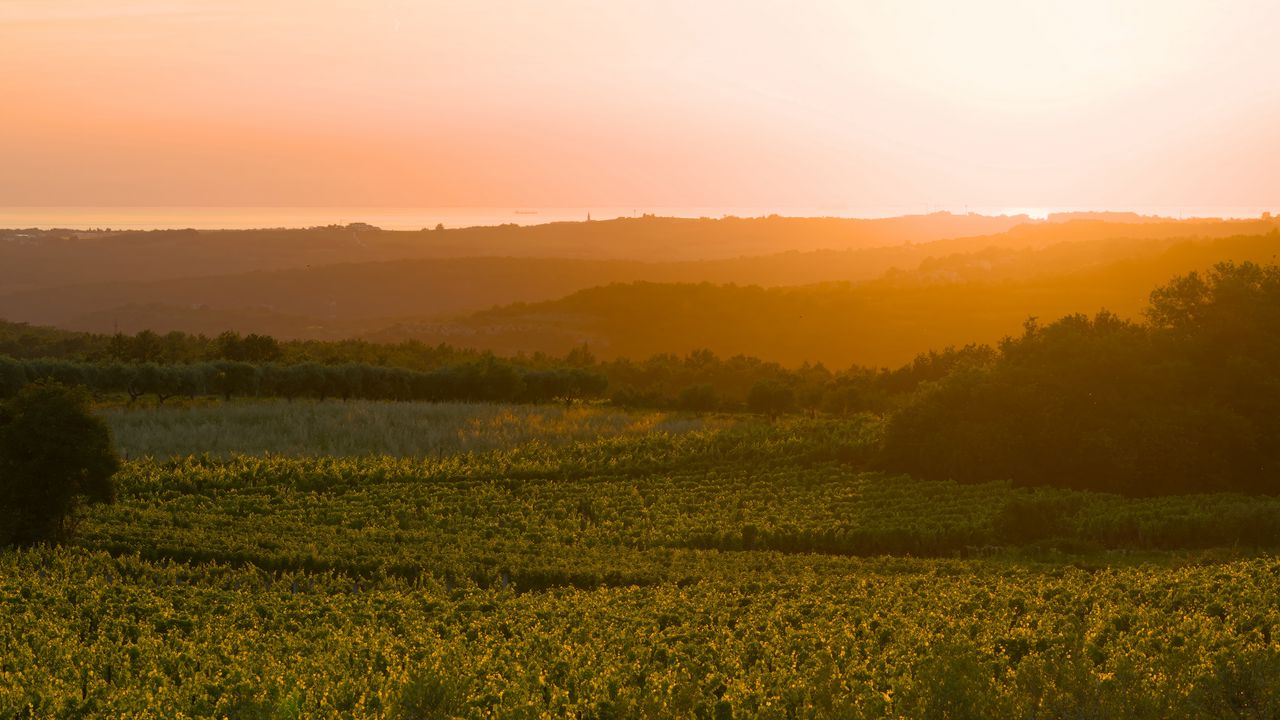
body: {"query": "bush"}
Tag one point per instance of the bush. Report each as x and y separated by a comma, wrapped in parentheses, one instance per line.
(770, 397)
(53, 453)
(1107, 405)
(698, 398)
(1029, 518)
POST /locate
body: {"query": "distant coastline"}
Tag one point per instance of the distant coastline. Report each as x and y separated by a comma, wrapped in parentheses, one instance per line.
(407, 218)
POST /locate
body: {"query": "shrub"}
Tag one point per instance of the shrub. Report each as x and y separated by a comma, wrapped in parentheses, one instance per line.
(1029, 518)
(53, 453)
(770, 397)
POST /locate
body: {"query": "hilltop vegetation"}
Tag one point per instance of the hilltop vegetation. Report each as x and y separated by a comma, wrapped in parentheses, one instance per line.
(953, 299)
(1185, 402)
(877, 323)
(36, 258)
(388, 298)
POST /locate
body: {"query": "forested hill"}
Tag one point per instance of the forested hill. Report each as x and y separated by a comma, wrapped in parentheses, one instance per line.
(880, 323)
(331, 301)
(50, 258)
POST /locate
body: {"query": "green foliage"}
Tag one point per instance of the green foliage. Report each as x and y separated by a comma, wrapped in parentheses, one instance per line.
(770, 397)
(619, 510)
(96, 635)
(486, 380)
(429, 695)
(304, 428)
(13, 376)
(704, 574)
(1185, 405)
(1027, 518)
(177, 364)
(750, 570)
(699, 398)
(53, 452)
(252, 348)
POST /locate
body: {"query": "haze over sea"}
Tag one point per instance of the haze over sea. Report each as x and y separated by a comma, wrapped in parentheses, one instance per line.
(416, 218)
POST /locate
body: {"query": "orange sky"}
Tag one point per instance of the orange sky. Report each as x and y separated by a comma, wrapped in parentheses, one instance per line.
(647, 103)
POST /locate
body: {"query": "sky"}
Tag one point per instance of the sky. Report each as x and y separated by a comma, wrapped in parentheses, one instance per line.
(854, 103)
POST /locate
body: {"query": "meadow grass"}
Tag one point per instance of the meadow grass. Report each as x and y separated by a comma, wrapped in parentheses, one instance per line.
(415, 429)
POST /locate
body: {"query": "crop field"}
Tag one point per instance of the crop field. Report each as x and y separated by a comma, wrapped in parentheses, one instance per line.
(763, 636)
(639, 361)
(750, 570)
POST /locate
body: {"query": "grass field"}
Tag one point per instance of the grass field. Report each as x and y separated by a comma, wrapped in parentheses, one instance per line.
(741, 571)
(311, 428)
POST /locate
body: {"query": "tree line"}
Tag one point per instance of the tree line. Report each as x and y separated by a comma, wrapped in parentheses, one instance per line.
(1186, 401)
(486, 380)
(180, 364)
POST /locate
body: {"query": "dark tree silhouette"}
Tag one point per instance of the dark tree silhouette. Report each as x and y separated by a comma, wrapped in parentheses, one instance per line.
(53, 453)
(770, 397)
(1189, 402)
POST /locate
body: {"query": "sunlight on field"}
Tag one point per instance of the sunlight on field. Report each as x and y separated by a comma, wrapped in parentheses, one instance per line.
(836, 360)
(371, 428)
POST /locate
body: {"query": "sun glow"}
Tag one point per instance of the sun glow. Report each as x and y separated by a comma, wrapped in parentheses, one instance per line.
(559, 104)
(1035, 213)
(1025, 54)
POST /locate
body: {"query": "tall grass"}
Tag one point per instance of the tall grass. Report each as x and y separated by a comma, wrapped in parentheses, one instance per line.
(370, 428)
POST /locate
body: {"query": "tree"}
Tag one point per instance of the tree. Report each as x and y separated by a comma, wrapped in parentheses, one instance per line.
(147, 347)
(54, 453)
(698, 398)
(259, 348)
(580, 357)
(770, 397)
(228, 346)
(13, 376)
(234, 378)
(1101, 404)
(163, 381)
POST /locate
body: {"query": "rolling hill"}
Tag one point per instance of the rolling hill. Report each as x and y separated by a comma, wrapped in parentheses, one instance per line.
(877, 323)
(342, 299)
(32, 258)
